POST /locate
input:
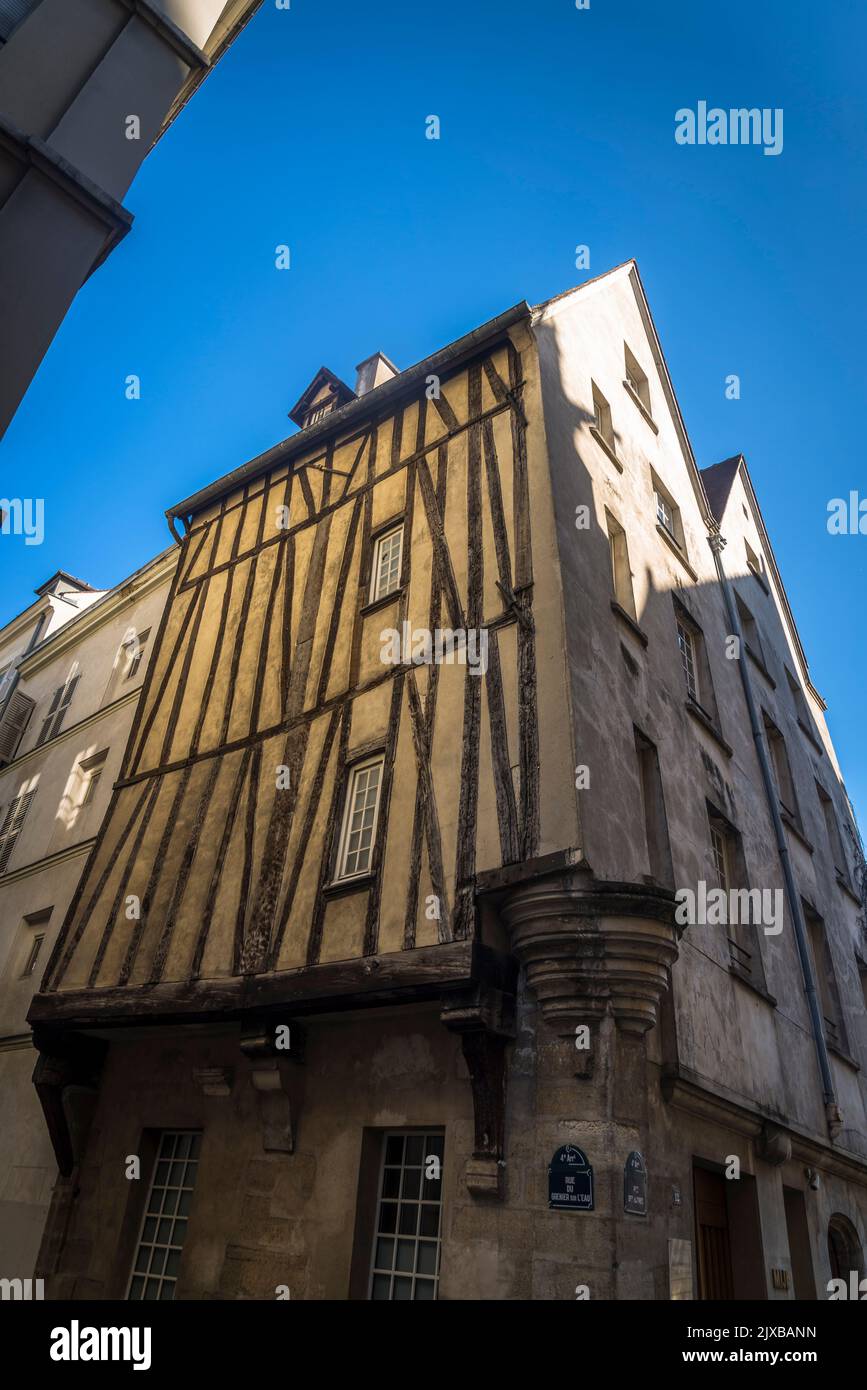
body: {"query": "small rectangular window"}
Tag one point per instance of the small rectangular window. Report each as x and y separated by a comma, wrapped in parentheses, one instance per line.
(832, 830)
(695, 663)
(687, 658)
(782, 768)
(621, 574)
(33, 955)
(387, 560)
(602, 417)
(653, 806)
(636, 379)
(53, 721)
(750, 631)
(668, 513)
(91, 770)
(406, 1240)
(800, 702)
(756, 565)
(744, 907)
(164, 1225)
(360, 816)
(826, 982)
(134, 652)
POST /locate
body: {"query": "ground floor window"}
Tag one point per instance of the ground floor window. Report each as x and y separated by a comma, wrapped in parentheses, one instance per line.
(164, 1224)
(406, 1239)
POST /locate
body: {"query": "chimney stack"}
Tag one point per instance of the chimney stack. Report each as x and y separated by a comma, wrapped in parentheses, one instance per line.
(373, 371)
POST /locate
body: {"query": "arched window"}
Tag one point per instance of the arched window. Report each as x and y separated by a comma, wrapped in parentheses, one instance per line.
(844, 1248)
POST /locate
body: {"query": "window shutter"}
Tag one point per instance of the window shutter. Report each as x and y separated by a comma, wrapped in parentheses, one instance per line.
(11, 826)
(53, 721)
(13, 724)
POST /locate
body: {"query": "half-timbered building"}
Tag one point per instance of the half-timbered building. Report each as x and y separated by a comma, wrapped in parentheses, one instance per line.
(381, 927)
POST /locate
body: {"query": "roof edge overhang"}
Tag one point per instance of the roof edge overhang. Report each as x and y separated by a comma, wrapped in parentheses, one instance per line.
(379, 398)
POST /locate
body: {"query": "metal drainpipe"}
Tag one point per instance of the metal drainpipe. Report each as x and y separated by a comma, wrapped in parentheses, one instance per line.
(16, 674)
(832, 1112)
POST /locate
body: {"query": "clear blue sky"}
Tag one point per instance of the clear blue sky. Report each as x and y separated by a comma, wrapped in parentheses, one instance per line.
(557, 129)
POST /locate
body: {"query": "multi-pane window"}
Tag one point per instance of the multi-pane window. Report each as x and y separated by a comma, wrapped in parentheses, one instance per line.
(387, 556)
(318, 412)
(164, 1225)
(720, 856)
(53, 721)
(686, 645)
(359, 819)
(406, 1241)
(664, 513)
(11, 823)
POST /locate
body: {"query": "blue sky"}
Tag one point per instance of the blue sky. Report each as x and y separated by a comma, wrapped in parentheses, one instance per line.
(557, 129)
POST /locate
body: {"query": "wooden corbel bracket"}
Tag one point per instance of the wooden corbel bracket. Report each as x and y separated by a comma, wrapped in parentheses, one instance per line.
(485, 1019)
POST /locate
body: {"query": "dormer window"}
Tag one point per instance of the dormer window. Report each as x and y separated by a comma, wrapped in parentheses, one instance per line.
(322, 408)
(325, 393)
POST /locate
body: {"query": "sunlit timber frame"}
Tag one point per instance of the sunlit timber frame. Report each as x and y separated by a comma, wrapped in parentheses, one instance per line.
(266, 659)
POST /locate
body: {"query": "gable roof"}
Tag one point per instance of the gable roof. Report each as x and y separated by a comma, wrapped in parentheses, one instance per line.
(323, 377)
(718, 481)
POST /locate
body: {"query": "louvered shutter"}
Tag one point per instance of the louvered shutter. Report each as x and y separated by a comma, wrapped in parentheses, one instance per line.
(11, 826)
(13, 724)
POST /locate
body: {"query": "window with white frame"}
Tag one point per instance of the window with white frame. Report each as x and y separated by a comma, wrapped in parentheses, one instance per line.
(387, 557)
(164, 1224)
(360, 816)
(664, 513)
(686, 644)
(720, 848)
(406, 1241)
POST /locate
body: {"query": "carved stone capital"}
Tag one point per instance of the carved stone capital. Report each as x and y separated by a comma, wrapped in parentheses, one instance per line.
(591, 947)
(773, 1144)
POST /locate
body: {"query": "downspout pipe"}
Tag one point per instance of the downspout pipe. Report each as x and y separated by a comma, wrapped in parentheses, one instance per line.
(793, 898)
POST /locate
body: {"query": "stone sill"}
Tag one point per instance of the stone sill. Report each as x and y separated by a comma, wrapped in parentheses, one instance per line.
(630, 622)
(751, 984)
(789, 820)
(847, 888)
(603, 444)
(811, 736)
(677, 549)
(704, 719)
(642, 407)
(760, 665)
(843, 1056)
